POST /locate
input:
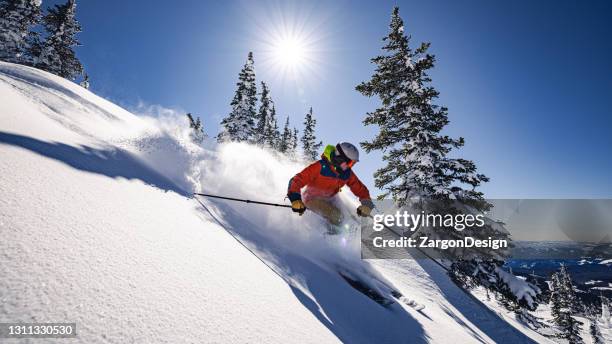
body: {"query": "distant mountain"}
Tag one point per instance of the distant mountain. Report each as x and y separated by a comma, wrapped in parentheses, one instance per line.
(589, 265)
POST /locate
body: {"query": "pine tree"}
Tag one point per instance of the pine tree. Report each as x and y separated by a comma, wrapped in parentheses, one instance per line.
(295, 140)
(418, 164)
(272, 132)
(292, 151)
(539, 282)
(410, 123)
(570, 294)
(239, 125)
(85, 82)
(56, 52)
(556, 296)
(564, 305)
(599, 321)
(605, 311)
(17, 17)
(197, 135)
(263, 114)
(310, 147)
(595, 331)
(285, 139)
(265, 121)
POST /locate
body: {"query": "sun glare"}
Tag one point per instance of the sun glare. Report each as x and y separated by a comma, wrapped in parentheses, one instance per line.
(289, 41)
(289, 52)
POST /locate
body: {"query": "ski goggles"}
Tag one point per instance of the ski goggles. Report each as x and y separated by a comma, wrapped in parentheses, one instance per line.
(340, 158)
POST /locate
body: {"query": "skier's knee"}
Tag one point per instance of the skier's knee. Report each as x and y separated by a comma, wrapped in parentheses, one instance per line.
(335, 218)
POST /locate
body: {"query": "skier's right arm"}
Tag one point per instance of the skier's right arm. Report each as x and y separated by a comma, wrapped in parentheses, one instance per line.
(302, 179)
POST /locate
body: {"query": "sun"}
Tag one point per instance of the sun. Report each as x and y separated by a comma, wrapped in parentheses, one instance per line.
(289, 52)
(289, 43)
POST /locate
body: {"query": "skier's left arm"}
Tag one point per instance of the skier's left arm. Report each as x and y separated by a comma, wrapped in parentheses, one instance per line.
(360, 190)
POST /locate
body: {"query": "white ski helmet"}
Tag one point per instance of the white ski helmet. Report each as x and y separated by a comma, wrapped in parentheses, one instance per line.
(348, 150)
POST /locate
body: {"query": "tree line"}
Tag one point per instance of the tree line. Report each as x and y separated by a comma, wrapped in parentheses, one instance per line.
(42, 40)
(566, 306)
(259, 125)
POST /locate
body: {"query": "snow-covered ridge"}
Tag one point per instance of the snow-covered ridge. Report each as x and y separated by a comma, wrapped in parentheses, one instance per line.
(99, 228)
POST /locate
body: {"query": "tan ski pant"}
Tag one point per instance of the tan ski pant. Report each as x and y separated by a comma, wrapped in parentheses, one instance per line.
(327, 209)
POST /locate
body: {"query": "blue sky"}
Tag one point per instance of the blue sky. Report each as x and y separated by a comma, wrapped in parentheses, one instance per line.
(527, 83)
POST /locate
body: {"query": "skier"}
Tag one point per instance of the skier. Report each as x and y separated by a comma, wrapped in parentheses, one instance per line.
(323, 179)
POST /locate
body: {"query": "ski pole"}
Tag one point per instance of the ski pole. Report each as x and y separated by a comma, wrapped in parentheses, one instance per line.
(242, 200)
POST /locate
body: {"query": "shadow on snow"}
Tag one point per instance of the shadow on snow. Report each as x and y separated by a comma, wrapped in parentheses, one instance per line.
(478, 314)
(111, 162)
(348, 314)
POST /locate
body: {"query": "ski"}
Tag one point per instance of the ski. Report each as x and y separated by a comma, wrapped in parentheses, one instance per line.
(408, 302)
(367, 291)
(379, 298)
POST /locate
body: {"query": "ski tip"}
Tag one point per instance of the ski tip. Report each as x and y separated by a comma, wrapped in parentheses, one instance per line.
(418, 308)
(411, 303)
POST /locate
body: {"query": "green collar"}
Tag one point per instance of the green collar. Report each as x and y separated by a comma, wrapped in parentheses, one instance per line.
(327, 153)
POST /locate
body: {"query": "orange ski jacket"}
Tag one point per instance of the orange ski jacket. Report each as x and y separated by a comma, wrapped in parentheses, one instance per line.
(322, 180)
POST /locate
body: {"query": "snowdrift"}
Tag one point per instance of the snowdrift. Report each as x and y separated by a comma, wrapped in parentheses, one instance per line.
(99, 227)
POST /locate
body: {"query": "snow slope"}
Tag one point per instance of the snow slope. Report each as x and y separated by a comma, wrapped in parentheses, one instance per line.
(98, 227)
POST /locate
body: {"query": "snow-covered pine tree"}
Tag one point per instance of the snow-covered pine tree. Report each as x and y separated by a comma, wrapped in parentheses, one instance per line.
(295, 140)
(85, 82)
(570, 294)
(310, 146)
(564, 305)
(556, 296)
(285, 139)
(263, 116)
(605, 312)
(418, 165)
(595, 331)
(540, 282)
(409, 126)
(197, 135)
(191, 120)
(17, 17)
(56, 52)
(273, 135)
(239, 125)
(292, 148)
